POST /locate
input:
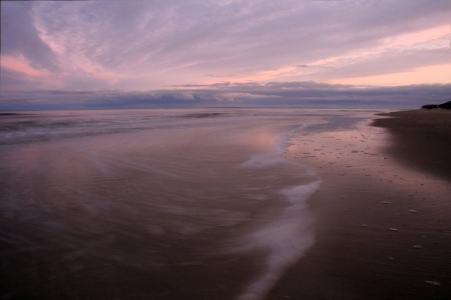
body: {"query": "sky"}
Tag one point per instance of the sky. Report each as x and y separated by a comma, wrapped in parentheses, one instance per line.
(152, 53)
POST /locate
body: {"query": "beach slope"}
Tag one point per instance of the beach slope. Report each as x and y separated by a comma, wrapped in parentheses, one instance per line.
(421, 138)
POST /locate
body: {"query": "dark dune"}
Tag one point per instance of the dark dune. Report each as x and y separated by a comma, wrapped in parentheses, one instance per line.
(446, 105)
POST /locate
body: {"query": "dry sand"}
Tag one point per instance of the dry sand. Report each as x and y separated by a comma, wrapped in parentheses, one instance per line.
(383, 212)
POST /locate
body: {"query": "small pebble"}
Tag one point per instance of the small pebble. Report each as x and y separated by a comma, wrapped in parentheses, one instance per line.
(418, 247)
(412, 211)
(394, 229)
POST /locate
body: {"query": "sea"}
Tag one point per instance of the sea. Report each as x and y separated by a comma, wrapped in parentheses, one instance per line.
(156, 203)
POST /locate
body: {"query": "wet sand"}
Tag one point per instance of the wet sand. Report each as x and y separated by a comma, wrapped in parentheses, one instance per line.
(383, 229)
(197, 209)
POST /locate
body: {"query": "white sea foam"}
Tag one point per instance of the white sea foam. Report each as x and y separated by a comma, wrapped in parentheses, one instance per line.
(287, 239)
(273, 159)
(266, 160)
(290, 235)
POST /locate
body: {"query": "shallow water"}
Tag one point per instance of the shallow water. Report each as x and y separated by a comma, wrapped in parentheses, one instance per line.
(154, 204)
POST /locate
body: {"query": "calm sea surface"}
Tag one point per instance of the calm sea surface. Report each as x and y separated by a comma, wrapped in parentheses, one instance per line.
(154, 204)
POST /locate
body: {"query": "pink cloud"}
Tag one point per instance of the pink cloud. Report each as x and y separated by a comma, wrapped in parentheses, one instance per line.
(423, 75)
(20, 64)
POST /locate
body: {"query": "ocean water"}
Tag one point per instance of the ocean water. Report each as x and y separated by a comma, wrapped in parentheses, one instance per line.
(155, 204)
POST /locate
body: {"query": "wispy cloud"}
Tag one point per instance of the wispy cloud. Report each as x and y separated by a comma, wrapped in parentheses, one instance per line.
(154, 45)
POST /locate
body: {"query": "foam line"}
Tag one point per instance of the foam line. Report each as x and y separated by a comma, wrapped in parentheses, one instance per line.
(288, 238)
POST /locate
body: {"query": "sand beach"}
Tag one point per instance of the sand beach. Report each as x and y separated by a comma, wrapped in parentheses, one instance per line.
(225, 204)
(383, 212)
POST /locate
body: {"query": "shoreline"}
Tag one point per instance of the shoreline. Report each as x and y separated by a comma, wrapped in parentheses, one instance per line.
(374, 211)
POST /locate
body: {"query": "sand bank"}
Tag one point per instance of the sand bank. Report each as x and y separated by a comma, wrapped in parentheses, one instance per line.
(421, 138)
(383, 229)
